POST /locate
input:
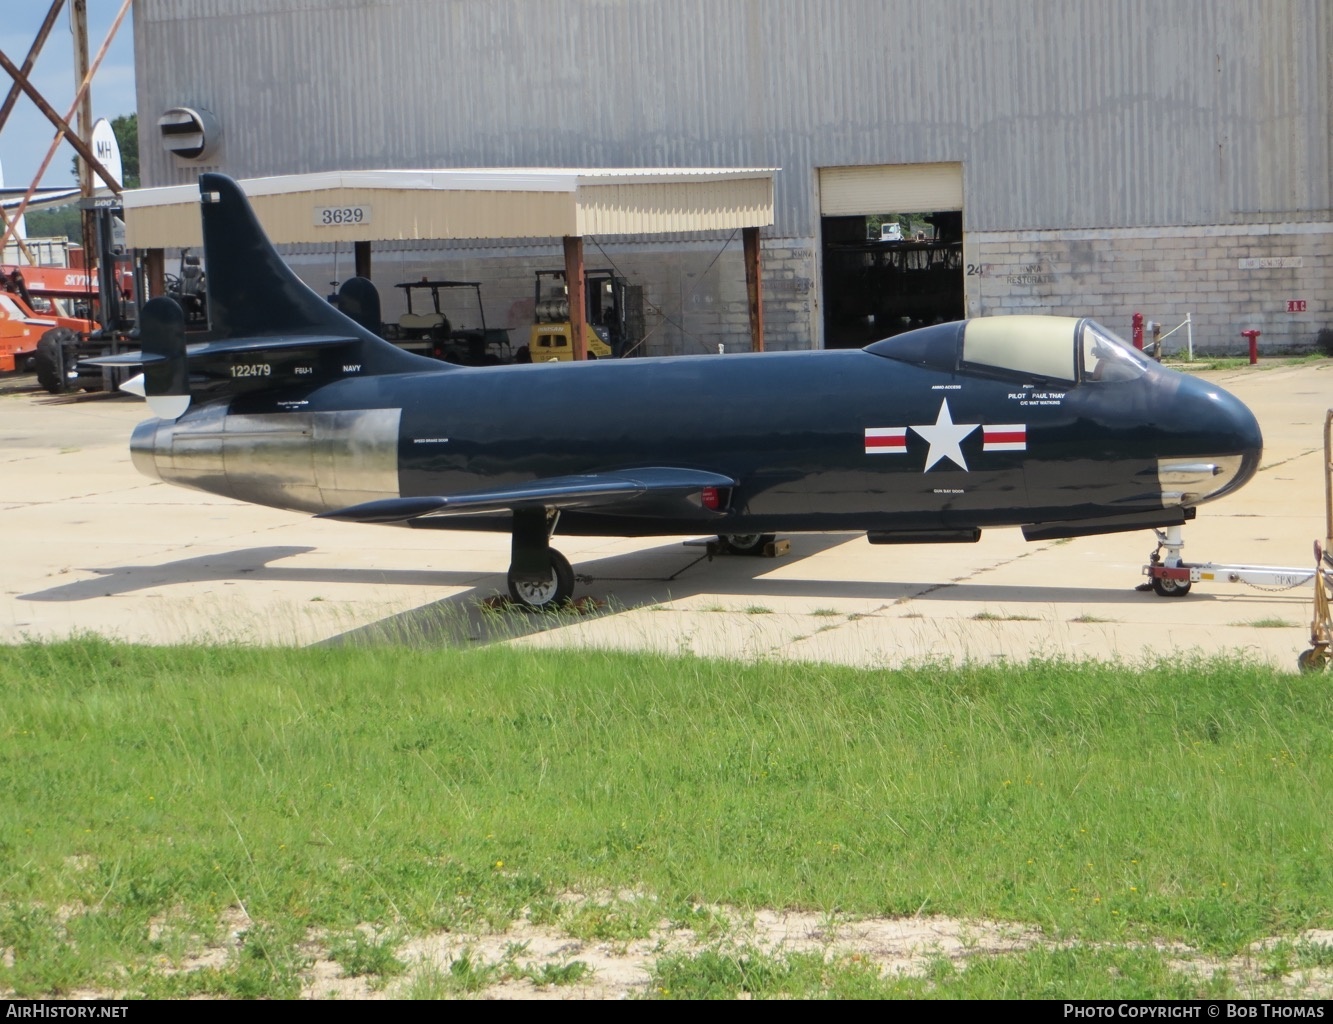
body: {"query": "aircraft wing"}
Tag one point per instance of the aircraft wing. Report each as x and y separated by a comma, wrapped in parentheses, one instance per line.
(648, 491)
(12, 197)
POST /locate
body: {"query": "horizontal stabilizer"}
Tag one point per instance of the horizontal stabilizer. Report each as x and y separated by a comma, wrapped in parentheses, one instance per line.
(127, 359)
(638, 492)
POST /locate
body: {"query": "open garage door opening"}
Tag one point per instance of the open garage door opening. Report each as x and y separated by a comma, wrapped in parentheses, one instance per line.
(891, 240)
(889, 273)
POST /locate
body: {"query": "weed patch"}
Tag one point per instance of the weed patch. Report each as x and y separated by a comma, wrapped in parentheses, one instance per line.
(1268, 624)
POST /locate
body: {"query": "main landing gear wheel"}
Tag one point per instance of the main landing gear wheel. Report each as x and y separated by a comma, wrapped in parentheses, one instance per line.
(551, 592)
(1170, 588)
(746, 543)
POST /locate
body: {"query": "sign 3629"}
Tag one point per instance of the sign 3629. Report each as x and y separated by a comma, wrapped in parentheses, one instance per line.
(341, 216)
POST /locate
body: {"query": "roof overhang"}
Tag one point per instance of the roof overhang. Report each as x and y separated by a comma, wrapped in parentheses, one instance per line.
(498, 203)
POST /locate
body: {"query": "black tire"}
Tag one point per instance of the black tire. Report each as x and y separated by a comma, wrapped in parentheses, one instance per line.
(553, 592)
(746, 543)
(1313, 660)
(54, 350)
(1170, 588)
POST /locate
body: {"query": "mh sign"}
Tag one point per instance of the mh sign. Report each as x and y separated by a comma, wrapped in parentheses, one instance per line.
(107, 150)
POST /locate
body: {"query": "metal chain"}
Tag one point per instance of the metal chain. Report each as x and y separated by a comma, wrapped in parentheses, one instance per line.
(1273, 589)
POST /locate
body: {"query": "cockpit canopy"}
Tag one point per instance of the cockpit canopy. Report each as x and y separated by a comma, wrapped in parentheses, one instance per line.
(1048, 348)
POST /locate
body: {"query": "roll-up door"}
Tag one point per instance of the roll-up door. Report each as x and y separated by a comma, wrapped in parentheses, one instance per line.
(847, 191)
(892, 249)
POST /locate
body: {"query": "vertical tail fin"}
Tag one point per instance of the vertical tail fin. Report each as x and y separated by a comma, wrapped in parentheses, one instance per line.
(253, 293)
(250, 289)
(258, 310)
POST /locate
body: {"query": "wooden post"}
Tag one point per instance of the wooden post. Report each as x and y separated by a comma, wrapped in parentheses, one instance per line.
(576, 282)
(78, 17)
(754, 288)
(155, 266)
(362, 259)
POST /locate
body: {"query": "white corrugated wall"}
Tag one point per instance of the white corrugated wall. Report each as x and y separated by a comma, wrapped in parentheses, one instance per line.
(1064, 114)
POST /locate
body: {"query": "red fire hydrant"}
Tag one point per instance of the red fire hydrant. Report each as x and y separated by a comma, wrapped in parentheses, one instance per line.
(1253, 337)
(1136, 322)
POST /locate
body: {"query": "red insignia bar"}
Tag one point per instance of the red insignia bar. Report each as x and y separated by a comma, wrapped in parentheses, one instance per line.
(1009, 437)
(886, 440)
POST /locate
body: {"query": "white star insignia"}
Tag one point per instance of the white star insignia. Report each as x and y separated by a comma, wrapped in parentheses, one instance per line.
(945, 438)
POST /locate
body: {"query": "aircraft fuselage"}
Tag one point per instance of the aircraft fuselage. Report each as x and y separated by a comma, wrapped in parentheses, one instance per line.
(846, 440)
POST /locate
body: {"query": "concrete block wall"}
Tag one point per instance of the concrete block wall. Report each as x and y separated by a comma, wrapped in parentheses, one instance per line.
(1273, 277)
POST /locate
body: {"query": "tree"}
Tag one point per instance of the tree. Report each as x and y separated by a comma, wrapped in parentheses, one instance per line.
(126, 128)
(57, 221)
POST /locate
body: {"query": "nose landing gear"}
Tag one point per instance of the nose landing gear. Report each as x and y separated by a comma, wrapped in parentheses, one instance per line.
(1169, 576)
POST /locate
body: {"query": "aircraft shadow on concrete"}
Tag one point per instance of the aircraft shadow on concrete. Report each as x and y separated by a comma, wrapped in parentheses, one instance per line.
(241, 564)
(671, 572)
(667, 572)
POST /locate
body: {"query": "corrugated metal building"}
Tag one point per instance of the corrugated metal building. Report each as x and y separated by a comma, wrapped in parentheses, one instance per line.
(1070, 156)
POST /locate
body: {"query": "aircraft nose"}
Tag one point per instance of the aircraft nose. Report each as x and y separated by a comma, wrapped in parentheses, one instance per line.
(1234, 427)
(1225, 449)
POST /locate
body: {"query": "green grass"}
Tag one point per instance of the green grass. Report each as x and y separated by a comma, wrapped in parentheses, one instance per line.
(418, 790)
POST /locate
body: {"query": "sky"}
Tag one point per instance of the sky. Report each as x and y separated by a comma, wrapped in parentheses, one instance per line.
(27, 134)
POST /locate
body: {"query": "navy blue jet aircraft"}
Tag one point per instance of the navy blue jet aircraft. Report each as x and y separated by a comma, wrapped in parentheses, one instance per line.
(1052, 424)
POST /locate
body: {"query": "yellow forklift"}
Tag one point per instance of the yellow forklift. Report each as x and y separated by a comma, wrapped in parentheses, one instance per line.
(612, 328)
